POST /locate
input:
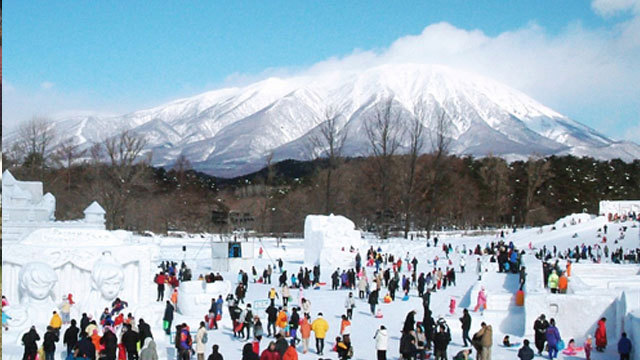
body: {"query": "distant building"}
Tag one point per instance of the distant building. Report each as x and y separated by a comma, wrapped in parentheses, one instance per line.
(25, 209)
(619, 208)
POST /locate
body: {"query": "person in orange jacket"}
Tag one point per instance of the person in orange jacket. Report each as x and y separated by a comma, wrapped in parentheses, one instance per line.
(305, 332)
(563, 282)
(291, 353)
(174, 297)
(282, 319)
(568, 268)
(345, 324)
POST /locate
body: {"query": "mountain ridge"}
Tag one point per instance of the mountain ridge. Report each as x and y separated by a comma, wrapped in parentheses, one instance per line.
(230, 132)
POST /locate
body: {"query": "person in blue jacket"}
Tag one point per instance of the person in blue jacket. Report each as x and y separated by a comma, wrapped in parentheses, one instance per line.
(624, 347)
(553, 338)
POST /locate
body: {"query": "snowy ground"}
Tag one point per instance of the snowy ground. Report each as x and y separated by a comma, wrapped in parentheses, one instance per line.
(505, 318)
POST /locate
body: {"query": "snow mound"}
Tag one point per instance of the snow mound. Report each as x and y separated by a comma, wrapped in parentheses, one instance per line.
(577, 218)
(328, 239)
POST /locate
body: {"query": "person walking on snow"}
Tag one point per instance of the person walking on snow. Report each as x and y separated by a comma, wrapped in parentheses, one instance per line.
(320, 328)
(481, 302)
(382, 341)
(624, 347)
(466, 326)
(601, 335)
(553, 338)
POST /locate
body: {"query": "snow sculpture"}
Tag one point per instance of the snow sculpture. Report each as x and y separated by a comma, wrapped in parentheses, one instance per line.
(194, 297)
(328, 240)
(36, 282)
(107, 280)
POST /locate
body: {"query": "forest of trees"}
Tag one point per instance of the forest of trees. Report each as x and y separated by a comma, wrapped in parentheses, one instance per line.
(387, 191)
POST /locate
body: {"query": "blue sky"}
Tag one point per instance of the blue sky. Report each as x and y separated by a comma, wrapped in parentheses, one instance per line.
(122, 56)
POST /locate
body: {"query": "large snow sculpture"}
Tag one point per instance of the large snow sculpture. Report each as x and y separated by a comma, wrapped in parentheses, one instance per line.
(107, 281)
(35, 281)
(194, 297)
(328, 241)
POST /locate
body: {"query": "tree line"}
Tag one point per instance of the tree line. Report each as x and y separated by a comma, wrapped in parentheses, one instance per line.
(408, 181)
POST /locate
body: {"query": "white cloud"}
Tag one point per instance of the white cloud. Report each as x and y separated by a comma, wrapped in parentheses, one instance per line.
(613, 7)
(46, 85)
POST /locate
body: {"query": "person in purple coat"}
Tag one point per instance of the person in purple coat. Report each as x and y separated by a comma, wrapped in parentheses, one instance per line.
(553, 338)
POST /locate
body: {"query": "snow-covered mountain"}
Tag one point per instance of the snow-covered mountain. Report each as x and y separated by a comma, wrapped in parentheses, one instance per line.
(230, 132)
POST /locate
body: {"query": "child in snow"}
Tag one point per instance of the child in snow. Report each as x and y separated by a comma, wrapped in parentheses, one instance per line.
(588, 346)
(5, 318)
(572, 349)
(482, 301)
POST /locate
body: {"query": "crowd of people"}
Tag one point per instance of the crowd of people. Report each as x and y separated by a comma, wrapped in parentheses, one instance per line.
(290, 325)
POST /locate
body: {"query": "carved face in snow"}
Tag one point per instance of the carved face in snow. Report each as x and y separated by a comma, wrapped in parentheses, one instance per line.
(108, 278)
(37, 280)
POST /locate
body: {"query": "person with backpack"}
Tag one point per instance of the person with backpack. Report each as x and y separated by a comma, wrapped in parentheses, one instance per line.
(382, 342)
(201, 340)
(553, 338)
(247, 318)
(184, 346)
(49, 343)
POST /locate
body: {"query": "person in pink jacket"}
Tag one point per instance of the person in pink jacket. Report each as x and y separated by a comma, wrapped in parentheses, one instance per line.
(482, 301)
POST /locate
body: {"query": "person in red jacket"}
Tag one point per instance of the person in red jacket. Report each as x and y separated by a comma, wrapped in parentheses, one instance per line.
(270, 353)
(160, 280)
(601, 335)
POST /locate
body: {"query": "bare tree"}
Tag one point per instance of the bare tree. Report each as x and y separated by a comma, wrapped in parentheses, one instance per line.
(538, 171)
(268, 196)
(126, 169)
(181, 166)
(416, 143)
(329, 144)
(35, 138)
(434, 177)
(384, 132)
(495, 175)
(65, 154)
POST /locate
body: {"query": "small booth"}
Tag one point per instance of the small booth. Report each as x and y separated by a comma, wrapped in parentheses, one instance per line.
(231, 256)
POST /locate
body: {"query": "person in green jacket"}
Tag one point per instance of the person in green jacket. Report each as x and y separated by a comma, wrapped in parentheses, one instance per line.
(553, 282)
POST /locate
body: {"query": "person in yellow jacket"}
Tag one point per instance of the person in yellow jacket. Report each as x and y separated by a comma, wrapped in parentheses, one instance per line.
(553, 282)
(320, 326)
(56, 322)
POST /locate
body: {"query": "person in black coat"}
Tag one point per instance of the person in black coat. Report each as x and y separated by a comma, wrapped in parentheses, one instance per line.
(407, 346)
(429, 324)
(49, 344)
(215, 354)
(272, 316)
(466, 326)
(84, 322)
(281, 345)
(110, 343)
(71, 337)
(373, 301)
(525, 352)
(440, 342)
(29, 340)
(85, 349)
(248, 354)
(168, 317)
(144, 331)
(409, 322)
(540, 327)
(130, 341)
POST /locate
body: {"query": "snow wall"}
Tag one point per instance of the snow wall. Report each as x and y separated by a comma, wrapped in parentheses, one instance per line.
(327, 240)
